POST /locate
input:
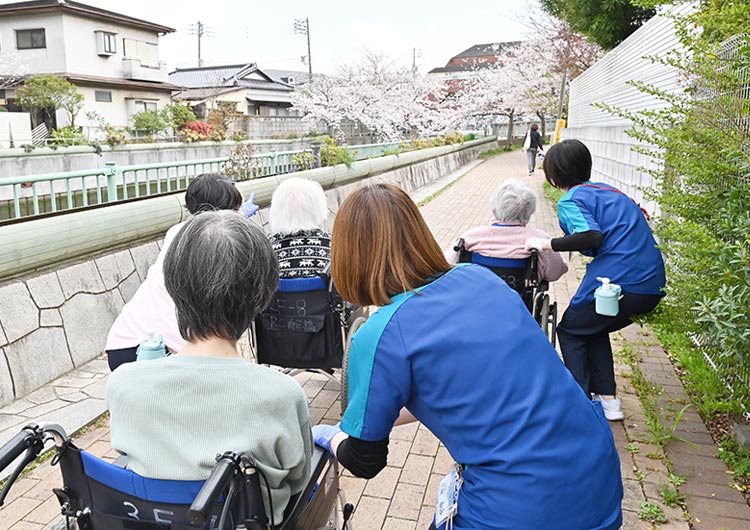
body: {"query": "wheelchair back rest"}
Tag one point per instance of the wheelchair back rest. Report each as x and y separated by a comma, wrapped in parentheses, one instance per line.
(118, 498)
(299, 305)
(512, 270)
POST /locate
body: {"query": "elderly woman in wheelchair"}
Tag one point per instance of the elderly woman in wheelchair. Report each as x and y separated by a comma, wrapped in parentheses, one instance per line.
(501, 247)
(174, 418)
(308, 325)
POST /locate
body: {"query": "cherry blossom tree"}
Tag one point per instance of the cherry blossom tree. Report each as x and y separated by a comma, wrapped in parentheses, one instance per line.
(390, 100)
(12, 69)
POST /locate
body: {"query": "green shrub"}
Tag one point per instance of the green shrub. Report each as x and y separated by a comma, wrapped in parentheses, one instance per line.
(149, 122)
(67, 135)
(175, 115)
(333, 154)
(239, 136)
(303, 161)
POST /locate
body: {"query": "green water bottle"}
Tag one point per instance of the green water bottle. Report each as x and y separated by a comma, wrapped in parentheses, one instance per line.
(152, 348)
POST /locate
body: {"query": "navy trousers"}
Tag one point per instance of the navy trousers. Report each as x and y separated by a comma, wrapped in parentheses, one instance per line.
(584, 340)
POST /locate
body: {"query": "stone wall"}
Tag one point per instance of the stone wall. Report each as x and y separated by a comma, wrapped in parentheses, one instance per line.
(56, 320)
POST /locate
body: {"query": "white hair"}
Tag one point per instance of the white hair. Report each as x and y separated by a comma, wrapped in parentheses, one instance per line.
(298, 205)
(513, 202)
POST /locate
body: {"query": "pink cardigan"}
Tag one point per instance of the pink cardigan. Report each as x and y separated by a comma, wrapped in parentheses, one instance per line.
(508, 242)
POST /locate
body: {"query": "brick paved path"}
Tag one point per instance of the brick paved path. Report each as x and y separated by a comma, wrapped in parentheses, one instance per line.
(401, 497)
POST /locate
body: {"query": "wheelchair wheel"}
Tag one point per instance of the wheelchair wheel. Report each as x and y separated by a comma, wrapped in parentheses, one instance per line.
(62, 525)
(543, 317)
(345, 361)
(553, 324)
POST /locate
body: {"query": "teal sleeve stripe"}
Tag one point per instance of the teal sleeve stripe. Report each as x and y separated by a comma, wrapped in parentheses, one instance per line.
(361, 362)
(571, 216)
(362, 359)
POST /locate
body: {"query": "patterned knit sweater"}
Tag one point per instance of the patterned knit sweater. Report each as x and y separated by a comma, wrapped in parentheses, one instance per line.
(302, 254)
(172, 416)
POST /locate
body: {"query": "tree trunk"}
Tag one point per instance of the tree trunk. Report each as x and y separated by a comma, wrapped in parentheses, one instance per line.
(509, 140)
(543, 123)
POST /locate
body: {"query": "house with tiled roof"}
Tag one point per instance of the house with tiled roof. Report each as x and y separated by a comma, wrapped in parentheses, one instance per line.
(112, 58)
(477, 57)
(244, 88)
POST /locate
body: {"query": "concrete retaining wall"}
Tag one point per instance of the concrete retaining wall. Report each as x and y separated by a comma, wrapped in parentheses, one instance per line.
(73, 273)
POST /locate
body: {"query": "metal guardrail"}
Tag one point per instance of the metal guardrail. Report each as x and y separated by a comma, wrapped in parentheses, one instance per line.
(28, 196)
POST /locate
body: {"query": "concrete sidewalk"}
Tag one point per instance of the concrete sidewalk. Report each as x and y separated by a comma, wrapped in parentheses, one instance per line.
(402, 496)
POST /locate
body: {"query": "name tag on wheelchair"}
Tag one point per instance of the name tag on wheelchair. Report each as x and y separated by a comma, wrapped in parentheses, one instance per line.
(446, 503)
(301, 324)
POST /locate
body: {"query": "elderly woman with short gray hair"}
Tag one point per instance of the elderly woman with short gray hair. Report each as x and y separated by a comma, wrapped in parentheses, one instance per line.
(172, 416)
(297, 217)
(505, 237)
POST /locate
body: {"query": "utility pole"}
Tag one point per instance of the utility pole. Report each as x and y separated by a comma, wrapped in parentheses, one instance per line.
(198, 29)
(302, 27)
(562, 94)
(414, 54)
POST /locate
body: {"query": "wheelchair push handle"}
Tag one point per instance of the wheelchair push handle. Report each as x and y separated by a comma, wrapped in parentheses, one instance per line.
(213, 487)
(459, 246)
(15, 447)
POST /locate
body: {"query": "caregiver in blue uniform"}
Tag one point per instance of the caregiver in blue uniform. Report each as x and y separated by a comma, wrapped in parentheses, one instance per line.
(602, 222)
(456, 349)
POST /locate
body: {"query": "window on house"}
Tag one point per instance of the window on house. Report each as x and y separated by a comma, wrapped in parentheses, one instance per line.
(105, 96)
(29, 39)
(110, 42)
(141, 106)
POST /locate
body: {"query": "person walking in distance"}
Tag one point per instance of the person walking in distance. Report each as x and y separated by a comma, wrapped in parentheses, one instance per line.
(532, 145)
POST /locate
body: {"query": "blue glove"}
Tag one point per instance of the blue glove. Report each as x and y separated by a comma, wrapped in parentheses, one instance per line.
(249, 208)
(323, 434)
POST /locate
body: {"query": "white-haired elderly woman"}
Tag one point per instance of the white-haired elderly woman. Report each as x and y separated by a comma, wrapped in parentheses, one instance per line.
(505, 237)
(172, 416)
(297, 218)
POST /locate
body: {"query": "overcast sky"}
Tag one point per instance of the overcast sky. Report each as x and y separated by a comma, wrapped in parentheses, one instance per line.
(262, 31)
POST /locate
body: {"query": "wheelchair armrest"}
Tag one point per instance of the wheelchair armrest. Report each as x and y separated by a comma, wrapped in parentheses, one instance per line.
(318, 465)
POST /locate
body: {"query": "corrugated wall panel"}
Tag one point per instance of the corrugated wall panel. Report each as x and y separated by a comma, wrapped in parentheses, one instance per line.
(606, 81)
(614, 160)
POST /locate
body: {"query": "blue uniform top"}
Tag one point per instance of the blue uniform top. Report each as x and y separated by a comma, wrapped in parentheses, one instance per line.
(628, 255)
(467, 359)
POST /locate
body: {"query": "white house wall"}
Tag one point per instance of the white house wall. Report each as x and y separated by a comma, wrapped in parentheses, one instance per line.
(41, 60)
(81, 49)
(116, 113)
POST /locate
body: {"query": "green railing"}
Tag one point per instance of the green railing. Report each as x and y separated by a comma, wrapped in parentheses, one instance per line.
(28, 196)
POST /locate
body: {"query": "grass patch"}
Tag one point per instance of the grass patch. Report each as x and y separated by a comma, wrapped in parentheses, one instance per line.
(671, 497)
(552, 194)
(738, 460)
(652, 512)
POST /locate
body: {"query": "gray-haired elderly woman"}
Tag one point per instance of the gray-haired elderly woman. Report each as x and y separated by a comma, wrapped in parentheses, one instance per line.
(173, 415)
(297, 217)
(505, 237)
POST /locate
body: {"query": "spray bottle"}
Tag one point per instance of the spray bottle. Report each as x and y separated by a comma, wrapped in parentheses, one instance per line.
(607, 298)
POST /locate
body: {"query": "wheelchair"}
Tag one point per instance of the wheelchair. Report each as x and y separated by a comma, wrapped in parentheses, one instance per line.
(98, 495)
(522, 275)
(307, 327)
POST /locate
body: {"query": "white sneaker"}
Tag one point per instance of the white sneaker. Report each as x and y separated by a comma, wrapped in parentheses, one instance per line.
(612, 408)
